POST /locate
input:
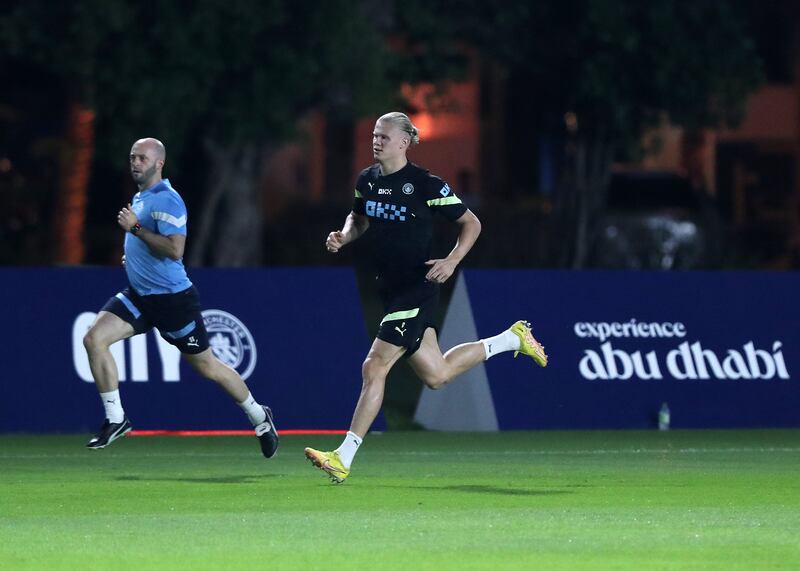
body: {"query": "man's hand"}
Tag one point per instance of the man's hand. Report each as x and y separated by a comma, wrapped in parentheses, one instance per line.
(126, 218)
(335, 241)
(440, 271)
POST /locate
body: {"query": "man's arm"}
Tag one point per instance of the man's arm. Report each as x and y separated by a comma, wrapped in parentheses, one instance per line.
(441, 270)
(171, 246)
(354, 226)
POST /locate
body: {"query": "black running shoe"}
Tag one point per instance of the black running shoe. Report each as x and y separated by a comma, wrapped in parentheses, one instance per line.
(267, 435)
(109, 432)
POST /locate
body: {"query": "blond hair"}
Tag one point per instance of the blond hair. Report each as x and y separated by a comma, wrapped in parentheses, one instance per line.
(404, 123)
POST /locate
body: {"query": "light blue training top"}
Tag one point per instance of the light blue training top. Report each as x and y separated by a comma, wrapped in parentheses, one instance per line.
(160, 209)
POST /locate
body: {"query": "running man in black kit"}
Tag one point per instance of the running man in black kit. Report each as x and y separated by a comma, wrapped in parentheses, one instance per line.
(396, 200)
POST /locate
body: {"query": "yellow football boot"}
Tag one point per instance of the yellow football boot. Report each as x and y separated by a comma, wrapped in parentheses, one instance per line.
(528, 345)
(330, 463)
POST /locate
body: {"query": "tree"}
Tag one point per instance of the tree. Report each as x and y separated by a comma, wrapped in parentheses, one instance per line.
(591, 75)
(594, 75)
(237, 74)
(67, 40)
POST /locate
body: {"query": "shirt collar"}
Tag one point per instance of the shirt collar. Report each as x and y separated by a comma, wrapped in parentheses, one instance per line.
(163, 184)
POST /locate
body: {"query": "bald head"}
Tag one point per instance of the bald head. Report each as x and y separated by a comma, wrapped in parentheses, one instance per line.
(147, 159)
(155, 145)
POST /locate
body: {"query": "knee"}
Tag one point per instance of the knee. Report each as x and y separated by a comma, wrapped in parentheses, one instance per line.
(92, 341)
(436, 379)
(373, 372)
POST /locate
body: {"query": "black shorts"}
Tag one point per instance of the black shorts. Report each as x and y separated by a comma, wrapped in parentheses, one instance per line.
(176, 315)
(410, 311)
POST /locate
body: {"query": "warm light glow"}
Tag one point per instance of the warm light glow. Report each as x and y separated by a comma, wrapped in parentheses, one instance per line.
(71, 206)
(424, 122)
(417, 96)
(571, 121)
(438, 115)
(448, 120)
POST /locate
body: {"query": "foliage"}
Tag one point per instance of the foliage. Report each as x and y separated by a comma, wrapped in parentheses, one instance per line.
(240, 72)
(237, 74)
(589, 77)
(619, 65)
(243, 71)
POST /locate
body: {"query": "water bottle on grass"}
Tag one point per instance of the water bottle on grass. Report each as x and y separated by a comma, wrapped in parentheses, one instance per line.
(663, 417)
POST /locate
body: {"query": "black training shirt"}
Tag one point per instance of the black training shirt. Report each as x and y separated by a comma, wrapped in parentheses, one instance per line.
(400, 209)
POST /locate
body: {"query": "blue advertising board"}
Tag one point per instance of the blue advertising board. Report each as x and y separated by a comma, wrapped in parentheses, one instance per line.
(722, 349)
(296, 335)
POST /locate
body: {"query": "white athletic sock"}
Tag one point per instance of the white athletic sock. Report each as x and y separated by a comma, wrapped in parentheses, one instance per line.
(506, 341)
(253, 410)
(113, 405)
(347, 450)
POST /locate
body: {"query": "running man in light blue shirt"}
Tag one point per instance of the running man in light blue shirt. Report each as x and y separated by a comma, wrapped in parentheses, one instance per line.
(160, 295)
(161, 211)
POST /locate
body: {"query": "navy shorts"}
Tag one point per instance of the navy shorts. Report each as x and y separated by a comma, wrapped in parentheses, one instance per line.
(410, 312)
(176, 316)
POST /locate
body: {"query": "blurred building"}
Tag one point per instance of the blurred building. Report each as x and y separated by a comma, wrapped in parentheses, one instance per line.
(450, 148)
(752, 171)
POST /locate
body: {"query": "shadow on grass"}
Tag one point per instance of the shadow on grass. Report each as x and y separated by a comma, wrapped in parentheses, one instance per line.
(239, 479)
(483, 489)
(505, 491)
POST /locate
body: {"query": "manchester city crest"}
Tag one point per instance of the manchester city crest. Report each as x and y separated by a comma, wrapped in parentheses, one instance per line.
(408, 188)
(231, 342)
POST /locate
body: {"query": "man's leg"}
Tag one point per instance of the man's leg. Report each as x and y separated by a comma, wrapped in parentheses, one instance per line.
(232, 383)
(215, 370)
(381, 358)
(106, 330)
(436, 370)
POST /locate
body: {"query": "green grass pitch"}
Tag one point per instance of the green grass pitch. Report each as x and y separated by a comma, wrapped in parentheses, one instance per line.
(414, 501)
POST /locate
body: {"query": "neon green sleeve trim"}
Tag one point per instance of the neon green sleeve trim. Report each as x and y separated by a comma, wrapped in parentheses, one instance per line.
(398, 315)
(444, 201)
(358, 194)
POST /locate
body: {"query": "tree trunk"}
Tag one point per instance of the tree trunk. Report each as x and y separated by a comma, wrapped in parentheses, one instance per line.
(582, 197)
(70, 210)
(230, 227)
(339, 151)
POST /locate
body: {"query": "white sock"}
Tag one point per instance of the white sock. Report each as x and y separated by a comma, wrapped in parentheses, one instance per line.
(113, 405)
(506, 341)
(253, 410)
(347, 450)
